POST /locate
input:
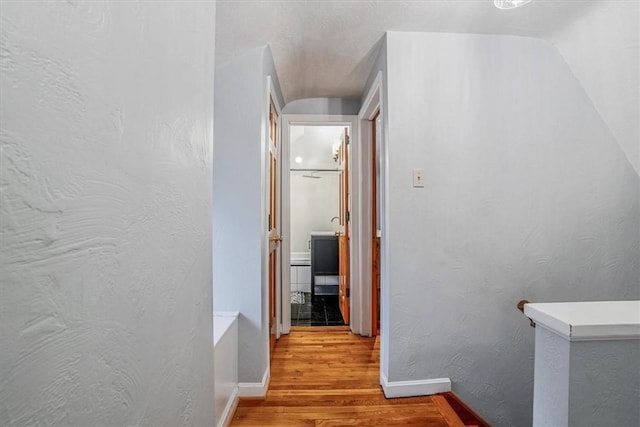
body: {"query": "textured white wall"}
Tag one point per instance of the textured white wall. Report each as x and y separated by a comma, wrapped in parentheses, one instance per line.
(237, 216)
(527, 195)
(313, 203)
(585, 383)
(105, 188)
(551, 386)
(225, 337)
(602, 48)
(239, 211)
(604, 387)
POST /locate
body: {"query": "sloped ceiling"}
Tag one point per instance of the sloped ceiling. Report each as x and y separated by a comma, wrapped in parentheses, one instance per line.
(325, 48)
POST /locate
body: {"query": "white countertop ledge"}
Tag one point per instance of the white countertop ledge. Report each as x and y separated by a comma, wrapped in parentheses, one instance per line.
(587, 321)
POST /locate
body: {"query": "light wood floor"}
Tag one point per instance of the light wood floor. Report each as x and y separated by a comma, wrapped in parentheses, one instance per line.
(321, 377)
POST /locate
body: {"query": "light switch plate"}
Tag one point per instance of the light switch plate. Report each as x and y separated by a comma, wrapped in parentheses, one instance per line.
(418, 178)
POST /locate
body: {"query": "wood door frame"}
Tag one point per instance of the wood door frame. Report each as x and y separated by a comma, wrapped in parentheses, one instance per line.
(344, 235)
(375, 239)
(271, 96)
(288, 120)
(373, 104)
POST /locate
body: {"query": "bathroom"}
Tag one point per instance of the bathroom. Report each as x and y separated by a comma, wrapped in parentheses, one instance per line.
(315, 171)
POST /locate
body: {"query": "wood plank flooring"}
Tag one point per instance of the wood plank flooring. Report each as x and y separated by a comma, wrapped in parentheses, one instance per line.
(324, 377)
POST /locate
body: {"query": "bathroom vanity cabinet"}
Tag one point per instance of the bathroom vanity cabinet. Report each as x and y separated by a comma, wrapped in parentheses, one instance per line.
(324, 264)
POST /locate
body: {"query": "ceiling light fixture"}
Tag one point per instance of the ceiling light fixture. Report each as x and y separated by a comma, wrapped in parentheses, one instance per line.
(298, 160)
(510, 4)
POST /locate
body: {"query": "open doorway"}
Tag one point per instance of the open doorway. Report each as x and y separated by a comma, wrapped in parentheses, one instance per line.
(317, 168)
(316, 204)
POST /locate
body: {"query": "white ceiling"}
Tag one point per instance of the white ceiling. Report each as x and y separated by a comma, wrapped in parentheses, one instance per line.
(315, 146)
(326, 48)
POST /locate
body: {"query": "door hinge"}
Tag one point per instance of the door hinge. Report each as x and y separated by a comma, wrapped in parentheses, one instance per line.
(347, 139)
(348, 292)
(348, 216)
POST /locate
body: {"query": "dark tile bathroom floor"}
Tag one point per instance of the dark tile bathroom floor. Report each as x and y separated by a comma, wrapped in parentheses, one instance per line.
(325, 311)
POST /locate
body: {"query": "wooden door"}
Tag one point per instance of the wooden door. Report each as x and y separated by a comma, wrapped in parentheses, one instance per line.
(273, 224)
(343, 234)
(375, 238)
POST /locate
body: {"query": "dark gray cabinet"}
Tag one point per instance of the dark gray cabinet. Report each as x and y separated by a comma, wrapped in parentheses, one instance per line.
(324, 265)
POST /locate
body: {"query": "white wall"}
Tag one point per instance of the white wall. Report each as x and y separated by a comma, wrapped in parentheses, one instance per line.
(239, 212)
(527, 195)
(225, 338)
(237, 222)
(602, 48)
(604, 383)
(313, 203)
(585, 383)
(105, 261)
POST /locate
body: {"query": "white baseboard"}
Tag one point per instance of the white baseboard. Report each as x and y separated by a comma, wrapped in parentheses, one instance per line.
(229, 409)
(255, 389)
(414, 388)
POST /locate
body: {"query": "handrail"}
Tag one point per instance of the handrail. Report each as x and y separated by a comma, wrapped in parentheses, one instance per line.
(520, 307)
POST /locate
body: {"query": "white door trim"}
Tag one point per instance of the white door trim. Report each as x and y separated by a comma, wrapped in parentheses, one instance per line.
(316, 120)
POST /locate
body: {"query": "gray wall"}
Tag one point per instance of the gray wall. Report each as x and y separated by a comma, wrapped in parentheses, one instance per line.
(105, 213)
(586, 383)
(323, 106)
(528, 195)
(239, 212)
(604, 384)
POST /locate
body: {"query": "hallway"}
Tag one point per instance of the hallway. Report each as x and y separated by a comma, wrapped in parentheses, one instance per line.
(330, 377)
(138, 204)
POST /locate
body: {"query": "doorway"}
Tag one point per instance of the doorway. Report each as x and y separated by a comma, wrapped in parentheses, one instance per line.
(319, 200)
(316, 204)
